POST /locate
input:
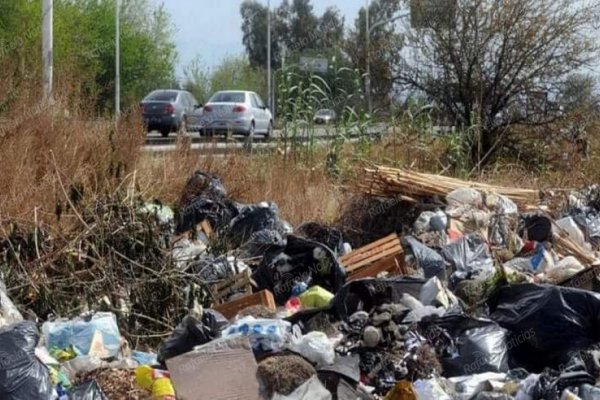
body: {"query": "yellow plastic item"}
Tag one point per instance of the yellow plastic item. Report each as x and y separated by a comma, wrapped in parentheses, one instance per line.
(156, 381)
(402, 391)
(315, 297)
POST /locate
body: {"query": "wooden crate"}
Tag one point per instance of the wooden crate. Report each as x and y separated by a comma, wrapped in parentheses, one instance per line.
(385, 254)
(239, 283)
(230, 310)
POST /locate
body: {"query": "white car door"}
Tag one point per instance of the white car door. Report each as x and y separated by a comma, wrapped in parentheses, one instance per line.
(262, 121)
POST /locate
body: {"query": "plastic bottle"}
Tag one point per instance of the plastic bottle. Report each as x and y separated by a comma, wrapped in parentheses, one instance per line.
(155, 380)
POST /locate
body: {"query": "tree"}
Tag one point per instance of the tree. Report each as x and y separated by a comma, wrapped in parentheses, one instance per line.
(197, 80)
(384, 50)
(483, 61)
(254, 30)
(579, 94)
(330, 29)
(236, 73)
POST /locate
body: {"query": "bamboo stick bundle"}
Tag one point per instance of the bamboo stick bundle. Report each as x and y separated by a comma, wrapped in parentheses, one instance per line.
(388, 182)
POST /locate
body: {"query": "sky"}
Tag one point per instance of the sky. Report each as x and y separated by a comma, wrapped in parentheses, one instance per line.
(211, 29)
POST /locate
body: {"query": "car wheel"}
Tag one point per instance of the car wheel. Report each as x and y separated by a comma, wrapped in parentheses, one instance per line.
(165, 132)
(269, 133)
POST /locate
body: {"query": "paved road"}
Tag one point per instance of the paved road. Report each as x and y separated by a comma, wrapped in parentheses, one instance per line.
(156, 143)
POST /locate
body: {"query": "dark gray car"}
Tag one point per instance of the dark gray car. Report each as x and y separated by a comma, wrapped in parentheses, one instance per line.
(168, 110)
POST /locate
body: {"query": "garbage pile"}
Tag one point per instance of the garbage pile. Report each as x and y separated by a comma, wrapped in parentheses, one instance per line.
(490, 296)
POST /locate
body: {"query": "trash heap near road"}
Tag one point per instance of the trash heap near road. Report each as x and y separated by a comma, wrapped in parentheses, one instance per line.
(492, 293)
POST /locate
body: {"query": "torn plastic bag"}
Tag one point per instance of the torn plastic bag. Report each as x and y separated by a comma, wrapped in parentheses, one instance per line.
(22, 375)
(427, 259)
(87, 391)
(431, 221)
(469, 346)
(535, 227)
(314, 346)
(95, 335)
(430, 389)
(190, 333)
(470, 257)
(324, 234)
(464, 196)
(254, 218)
(501, 204)
(546, 322)
(217, 212)
(301, 260)
(8, 312)
(589, 222)
(569, 226)
(262, 242)
(186, 251)
(266, 335)
(564, 269)
(202, 184)
(433, 293)
(366, 294)
(164, 213)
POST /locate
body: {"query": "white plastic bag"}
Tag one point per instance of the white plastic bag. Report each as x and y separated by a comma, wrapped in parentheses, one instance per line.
(568, 226)
(464, 196)
(564, 269)
(8, 312)
(314, 346)
(264, 334)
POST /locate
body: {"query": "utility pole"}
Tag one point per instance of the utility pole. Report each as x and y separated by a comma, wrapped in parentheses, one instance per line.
(47, 46)
(368, 77)
(270, 100)
(118, 59)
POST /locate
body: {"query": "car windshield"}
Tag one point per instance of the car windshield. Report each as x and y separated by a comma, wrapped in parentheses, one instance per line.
(228, 97)
(167, 95)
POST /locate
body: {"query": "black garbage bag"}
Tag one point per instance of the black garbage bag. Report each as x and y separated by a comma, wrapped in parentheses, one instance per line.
(327, 235)
(202, 184)
(467, 346)
(255, 218)
(217, 212)
(546, 322)
(301, 260)
(262, 242)
(430, 261)
(87, 391)
(470, 258)
(366, 294)
(535, 227)
(190, 333)
(22, 375)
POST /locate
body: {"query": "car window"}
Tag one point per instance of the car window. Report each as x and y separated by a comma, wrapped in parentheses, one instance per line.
(254, 101)
(228, 97)
(163, 95)
(192, 99)
(259, 102)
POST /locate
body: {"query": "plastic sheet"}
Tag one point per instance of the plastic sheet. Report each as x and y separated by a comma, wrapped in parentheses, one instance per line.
(301, 260)
(8, 312)
(22, 375)
(464, 196)
(96, 335)
(546, 322)
(427, 259)
(190, 333)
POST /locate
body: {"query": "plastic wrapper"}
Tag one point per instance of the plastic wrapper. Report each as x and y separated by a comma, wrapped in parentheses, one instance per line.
(470, 258)
(266, 335)
(464, 196)
(564, 269)
(569, 226)
(428, 260)
(468, 346)
(546, 322)
(190, 333)
(87, 391)
(96, 335)
(314, 346)
(8, 312)
(301, 260)
(22, 375)
(316, 297)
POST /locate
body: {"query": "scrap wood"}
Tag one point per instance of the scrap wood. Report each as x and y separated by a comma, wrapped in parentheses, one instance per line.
(388, 182)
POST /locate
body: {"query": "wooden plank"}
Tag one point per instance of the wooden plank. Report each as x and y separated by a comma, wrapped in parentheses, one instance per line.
(370, 246)
(369, 253)
(393, 251)
(389, 264)
(230, 310)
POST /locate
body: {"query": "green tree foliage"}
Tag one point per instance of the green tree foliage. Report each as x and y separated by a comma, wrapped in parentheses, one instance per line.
(84, 46)
(236, 73)
(197, 80)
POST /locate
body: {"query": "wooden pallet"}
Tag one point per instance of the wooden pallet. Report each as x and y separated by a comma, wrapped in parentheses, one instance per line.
(230, 310)
(383, 255)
